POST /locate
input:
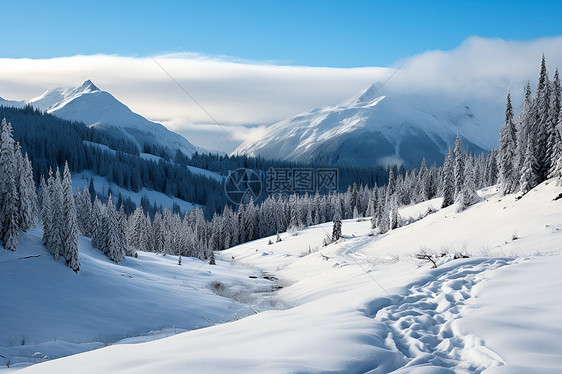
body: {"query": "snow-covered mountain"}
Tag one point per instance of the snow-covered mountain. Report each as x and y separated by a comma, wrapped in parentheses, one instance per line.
(370, 129)
(88, 104)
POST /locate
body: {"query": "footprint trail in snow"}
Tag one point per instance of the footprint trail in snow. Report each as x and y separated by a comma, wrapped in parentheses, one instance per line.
(422, 324)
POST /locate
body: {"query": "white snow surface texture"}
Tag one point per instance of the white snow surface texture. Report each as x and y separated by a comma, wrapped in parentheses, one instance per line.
(361, 305)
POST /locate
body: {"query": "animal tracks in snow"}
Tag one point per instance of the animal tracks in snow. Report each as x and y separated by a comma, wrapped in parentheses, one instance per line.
(422, 323)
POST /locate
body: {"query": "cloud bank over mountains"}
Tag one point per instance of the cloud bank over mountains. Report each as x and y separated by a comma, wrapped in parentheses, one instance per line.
(245, 96)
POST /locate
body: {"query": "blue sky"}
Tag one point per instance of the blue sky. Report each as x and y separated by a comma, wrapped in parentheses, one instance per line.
(312, 33)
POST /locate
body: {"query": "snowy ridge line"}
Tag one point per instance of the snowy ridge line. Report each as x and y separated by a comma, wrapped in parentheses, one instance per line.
(422, 324)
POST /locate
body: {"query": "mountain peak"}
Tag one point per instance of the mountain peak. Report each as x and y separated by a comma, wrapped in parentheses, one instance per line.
(364, 97)
(368, 94)
(88, 86)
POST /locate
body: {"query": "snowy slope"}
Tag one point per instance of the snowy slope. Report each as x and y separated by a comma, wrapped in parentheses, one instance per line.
(102, 186)
(365, 304)
(48, 308)
(370, 129)
(88, 104)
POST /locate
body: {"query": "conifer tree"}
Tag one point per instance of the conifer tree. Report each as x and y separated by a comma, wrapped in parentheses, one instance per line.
(394, 217)
(423, 182)
(28, 195)
(509, 178)
(84, 212)
(114, 246)
(69, 228)
(337, 226)
(9, 198)
(524, 123)
(529, 177)
(540, 127)
(46, 212)
(459, 166)
(554, 143)
(98, 216)
(55, 189)
(468, 195)
(448, 172)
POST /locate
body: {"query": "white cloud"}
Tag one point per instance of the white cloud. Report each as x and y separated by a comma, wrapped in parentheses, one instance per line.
(244, 95)
(233, 93)
(479, 66)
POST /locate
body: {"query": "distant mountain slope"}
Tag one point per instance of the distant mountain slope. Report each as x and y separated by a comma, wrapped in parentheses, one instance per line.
(369, 129)
(88, 104)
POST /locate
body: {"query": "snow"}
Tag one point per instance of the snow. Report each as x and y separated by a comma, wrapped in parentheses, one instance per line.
(519, 311)
(49, 309)
(371, 128)
(193, 169)
(101, 184)
(499, 227)
(87, 103)
(365, 304)
(102, 147)
(148, 156)
(207, 173)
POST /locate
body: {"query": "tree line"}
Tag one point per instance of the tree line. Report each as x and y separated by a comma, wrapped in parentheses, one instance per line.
(533, 140)
(530, 148)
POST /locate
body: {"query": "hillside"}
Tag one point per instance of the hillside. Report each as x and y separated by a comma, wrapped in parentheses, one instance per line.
(52, 310)
(370, 129)
(365, 304)
(87, 103)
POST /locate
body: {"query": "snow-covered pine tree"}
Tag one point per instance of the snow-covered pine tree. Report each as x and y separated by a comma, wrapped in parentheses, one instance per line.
(371, 212)
(69, 227)
(309, 220)
(383, 223)
(391, 186)
(423, 181)
(98, 216)
(128, 250)
(541, 124)
(524, 123)
(10, 229)
(137, 230)
(85, 213)
(28, 195)
(158, 232)
(337, 226)
(554, 143)
(529, 176)
(394, 220)
(557, 154)
(248, 228)
(9, 198)
(468, 195)
(114, 246)
(46, 212)
(491, 172)
(448, 173)
(509, 176)
(354, 198)
(53, 222)
(166, 234)
(458, 166)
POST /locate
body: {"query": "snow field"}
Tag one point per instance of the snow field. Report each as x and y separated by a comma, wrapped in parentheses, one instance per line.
(365, 304)
(48, 308)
